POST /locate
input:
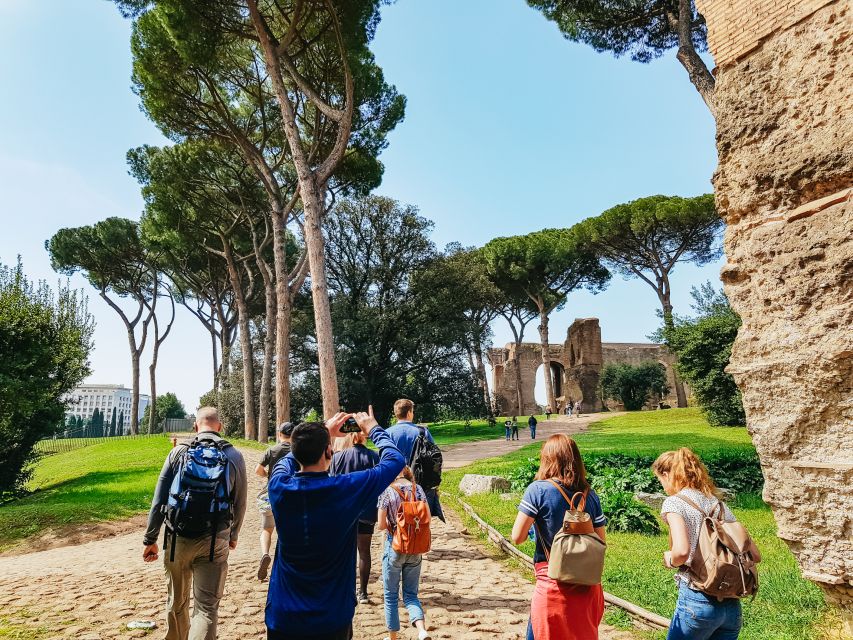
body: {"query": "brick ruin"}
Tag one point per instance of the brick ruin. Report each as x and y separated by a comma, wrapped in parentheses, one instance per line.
(576, 366)
(784, 184)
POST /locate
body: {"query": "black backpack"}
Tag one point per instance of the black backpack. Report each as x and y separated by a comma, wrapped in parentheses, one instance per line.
(426, 462)
(200, 501)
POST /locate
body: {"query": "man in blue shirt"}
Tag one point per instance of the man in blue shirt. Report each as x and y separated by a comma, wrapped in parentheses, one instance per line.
(404, 434)
(312, 587)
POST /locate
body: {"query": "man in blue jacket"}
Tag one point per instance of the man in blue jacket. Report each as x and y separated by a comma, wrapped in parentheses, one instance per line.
(312, 587)
(404, 434)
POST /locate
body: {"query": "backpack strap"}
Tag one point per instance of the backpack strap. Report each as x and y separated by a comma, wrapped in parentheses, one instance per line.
(571, 500)
(693, 504)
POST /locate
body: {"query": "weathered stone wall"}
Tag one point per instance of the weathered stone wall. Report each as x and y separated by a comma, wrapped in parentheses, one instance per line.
(785, 187)
(637, 354)
(577, 367)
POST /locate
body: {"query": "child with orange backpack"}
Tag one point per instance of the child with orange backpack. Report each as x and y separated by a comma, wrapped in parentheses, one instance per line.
(404, 514)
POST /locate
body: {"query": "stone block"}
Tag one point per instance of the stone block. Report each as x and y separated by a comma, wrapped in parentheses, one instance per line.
(472, 483)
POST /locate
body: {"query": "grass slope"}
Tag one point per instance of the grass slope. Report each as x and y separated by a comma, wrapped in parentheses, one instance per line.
(787, 607)
(106, 481)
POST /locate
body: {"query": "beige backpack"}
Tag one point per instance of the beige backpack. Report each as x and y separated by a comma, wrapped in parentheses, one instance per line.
(576, 555)
(723, 565)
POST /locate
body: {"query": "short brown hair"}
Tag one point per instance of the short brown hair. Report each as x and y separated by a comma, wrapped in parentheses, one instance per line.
(402, 408)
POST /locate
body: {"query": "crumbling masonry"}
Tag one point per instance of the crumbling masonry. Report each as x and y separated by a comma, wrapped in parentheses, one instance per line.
(576, 368)
(784, 111)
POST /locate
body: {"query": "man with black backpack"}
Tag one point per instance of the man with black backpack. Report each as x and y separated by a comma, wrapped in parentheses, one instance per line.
(420, 451)
(201, 497)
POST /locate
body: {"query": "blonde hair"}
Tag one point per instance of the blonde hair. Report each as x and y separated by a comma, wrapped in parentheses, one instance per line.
(561, 460)
(686, 471)
(349, 440)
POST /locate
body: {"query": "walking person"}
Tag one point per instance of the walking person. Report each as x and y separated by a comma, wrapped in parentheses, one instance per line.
(548, 413)
(404, 434)
(514, 428)
(577, 409)
(508, 429)
(356, 457)
(693, 496)
(400, 568)
(200, 532)
(265, 466)
(559, 611)
(531, 422)
(312, 586)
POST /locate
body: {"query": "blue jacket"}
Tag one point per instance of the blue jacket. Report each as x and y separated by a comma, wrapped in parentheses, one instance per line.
(404, 434)
(312, 586)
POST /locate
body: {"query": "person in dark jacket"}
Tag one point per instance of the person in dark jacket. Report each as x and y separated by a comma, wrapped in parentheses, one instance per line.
(312, 586)
(356, 457)
(531, 422)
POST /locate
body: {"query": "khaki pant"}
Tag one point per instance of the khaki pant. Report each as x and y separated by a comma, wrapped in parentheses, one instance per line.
(192, 566)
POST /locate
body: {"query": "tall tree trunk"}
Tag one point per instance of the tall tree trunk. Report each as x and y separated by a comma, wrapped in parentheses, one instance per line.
(699, 74)
(518, 394)
(152, 375)
(315, 244)
(269, 354)
(546, 357)
(282, 319)
(481, 372)
(134, 393)
(668, 323)
(311, 191)
(215, 354)
(250, 427)
(158, 341)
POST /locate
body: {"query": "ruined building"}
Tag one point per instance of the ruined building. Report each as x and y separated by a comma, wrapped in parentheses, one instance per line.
(784, 184)
(576, 368)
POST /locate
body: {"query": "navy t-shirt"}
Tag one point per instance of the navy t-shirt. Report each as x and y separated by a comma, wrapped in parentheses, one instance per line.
(350, 460)
(546, 505)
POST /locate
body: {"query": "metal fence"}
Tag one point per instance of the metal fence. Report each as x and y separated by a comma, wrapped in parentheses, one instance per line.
(77, 439)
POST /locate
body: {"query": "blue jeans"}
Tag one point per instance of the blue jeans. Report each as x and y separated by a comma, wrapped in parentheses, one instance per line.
(700, 617)
(396, 568)
(508, 431)
(533, 433)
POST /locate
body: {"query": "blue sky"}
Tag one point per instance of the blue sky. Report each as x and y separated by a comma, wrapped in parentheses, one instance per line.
(509, 128)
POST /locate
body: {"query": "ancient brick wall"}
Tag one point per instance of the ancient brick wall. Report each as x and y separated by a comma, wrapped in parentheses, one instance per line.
(736, 27)
(577, 365)
(784, 99)
(636, 354)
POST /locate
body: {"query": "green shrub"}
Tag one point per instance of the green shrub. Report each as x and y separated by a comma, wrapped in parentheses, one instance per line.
(633, 385)
(626, 514)
(522, 475)
(737, 470)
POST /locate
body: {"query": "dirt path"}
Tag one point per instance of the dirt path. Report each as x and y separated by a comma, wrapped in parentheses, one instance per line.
(90, 591)
(459, 455)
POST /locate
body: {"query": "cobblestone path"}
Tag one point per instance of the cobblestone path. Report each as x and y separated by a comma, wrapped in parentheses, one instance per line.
(91, 591)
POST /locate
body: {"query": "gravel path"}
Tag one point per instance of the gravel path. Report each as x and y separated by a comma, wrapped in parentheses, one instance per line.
(90, 591)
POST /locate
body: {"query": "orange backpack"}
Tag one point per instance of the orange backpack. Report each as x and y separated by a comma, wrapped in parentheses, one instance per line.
(411, 535)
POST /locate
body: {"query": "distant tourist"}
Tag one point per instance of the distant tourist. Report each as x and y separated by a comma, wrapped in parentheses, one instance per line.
(508, 429)
(577, 408)
(559, 610)
(531, 422)
(693, 496)
(514, 428)
(312, 586)
(403, 551)
(270, 458)
(200, 529)
(405, 434)
(548, 413)
(356, 457)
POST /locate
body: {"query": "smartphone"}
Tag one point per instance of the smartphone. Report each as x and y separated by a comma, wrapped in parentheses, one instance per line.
(350, 426)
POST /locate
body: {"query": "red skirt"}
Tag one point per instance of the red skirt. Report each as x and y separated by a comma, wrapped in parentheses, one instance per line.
(565, 611)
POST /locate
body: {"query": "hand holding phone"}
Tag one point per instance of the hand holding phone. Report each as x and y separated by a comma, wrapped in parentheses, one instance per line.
(350, 426)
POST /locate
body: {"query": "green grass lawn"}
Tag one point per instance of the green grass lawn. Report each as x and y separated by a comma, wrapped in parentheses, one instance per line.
(787, 607)
(106, 481)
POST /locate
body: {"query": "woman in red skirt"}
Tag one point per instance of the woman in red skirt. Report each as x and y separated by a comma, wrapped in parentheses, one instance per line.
(559, 611)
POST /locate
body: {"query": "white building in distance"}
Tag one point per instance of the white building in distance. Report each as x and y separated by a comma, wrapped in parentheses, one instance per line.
(83, 401)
